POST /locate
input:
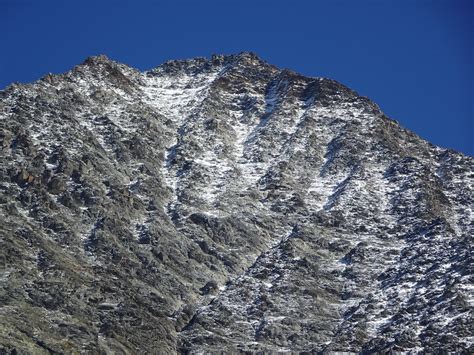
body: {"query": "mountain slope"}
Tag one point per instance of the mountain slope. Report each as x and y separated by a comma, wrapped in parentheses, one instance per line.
(225, 204)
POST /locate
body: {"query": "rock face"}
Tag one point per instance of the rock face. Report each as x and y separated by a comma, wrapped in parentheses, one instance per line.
(225, 204)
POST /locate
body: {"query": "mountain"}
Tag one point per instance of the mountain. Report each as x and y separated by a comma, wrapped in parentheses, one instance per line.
(225, 204)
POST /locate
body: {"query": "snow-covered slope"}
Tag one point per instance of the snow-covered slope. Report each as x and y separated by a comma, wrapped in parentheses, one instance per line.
(225, 204)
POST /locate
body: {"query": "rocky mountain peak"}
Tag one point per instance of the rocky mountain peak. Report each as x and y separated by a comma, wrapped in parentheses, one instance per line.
(225, 204)
(97, 60)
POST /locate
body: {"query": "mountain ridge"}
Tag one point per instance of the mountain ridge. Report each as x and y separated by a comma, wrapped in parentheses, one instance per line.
(201, 194)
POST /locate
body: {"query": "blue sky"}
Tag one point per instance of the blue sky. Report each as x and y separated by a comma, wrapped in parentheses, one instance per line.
(412, 57)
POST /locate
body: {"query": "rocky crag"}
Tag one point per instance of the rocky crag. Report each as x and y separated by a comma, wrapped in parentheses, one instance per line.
(225, 204)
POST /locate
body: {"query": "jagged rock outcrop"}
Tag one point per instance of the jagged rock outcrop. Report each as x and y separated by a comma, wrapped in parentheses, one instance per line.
(225, 204)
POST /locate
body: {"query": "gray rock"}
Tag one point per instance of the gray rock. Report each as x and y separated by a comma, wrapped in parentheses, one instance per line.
(225, 205)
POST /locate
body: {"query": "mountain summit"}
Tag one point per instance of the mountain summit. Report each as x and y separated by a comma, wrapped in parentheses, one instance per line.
(225, 205)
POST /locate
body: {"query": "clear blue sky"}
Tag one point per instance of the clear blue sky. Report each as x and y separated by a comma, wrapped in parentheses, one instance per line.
(412, 57)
